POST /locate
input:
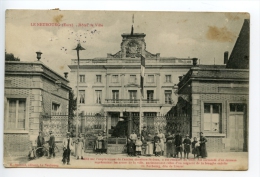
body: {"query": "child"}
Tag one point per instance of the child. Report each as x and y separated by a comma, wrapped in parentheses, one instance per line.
(157, 148)
(138, 145)
(32, 153)
(195, 147)
(130, 147)
(187, 144)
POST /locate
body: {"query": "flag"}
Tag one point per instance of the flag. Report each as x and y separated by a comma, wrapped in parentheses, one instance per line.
(132, 29)
(142, 75)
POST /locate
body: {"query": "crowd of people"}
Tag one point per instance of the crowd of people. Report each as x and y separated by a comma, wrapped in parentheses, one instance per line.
(171, 145)
(48, 148)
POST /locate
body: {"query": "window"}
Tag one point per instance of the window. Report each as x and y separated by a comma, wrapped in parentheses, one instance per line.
(16, 113)
(55, 108)
(149, 96)
(114, 78)
(168, 96)
(149, 118)
(132, 78)
(81, 96)
(98, 96)
(133, 96)
(81, 78)
(98, 78)
(150, 78)
(212, 113)
(168, 78)
(115, 95)
(114, 121)
(237, 107)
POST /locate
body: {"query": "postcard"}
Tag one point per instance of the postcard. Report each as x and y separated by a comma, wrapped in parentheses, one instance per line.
(126, 90)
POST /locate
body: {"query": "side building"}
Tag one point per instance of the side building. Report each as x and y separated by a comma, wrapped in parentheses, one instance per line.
(218, 98)
(34, 97)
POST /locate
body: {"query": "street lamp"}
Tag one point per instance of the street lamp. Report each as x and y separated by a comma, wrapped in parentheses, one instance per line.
(78, 48)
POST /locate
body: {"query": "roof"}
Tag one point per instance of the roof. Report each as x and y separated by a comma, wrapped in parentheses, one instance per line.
(239, 57)
(37, 67)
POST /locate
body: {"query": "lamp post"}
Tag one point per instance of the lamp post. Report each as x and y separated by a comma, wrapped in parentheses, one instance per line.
(78, 48)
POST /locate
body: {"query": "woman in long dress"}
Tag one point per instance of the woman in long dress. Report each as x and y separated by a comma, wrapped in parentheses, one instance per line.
(138, 145)
(99, 143)
(149, 147)
(162, 141)
(79, 146)
(169, 145)
(203, 150)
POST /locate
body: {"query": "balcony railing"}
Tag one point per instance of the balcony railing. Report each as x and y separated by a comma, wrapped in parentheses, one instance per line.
(130, 101)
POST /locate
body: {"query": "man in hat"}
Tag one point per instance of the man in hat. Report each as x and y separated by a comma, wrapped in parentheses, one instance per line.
(187, 143)
(40, 143)
(178, 144)
(51, 145)
(203, 150)
(67, 147)
(144, 133)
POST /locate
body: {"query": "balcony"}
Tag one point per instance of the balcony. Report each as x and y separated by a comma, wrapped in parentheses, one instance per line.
(129, 102)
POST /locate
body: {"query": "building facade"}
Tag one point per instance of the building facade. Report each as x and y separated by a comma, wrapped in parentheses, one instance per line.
(217, 98)
(110, 86)
(34, 96)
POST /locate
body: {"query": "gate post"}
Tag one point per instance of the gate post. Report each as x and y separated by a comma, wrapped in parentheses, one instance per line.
(129, 124)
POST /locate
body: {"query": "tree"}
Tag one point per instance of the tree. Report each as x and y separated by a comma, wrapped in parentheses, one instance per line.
(10, 57)
(72, 103)
(72, 108)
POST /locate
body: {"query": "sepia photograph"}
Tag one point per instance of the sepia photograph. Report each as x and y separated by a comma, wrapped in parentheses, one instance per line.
(126, 90)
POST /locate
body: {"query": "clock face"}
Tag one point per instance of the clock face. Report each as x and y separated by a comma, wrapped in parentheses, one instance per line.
(132, 49)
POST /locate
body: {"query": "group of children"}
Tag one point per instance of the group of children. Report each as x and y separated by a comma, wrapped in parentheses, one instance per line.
(187, 146)
(134, 147)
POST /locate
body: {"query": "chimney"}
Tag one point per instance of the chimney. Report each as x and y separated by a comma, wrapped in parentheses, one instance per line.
(194, 61)
(225, 57)
(66, 74)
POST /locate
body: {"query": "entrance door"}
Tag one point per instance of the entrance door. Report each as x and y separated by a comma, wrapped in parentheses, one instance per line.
(237, 129)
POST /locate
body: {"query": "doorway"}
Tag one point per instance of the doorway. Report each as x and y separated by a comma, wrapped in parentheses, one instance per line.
(237, 127)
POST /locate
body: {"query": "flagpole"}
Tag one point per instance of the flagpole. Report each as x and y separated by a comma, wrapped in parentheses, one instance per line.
(141, 95)
(140, 107)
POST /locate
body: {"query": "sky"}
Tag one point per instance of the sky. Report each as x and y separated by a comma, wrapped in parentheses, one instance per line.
(172, 34)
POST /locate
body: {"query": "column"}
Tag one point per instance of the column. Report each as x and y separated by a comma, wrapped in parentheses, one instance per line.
(158, 88)
(107, 87)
